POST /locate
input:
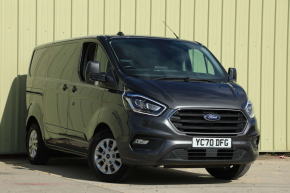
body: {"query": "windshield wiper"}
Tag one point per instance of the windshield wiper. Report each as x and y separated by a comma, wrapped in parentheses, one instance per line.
(198, 80)
(169, 78)
(185, 79)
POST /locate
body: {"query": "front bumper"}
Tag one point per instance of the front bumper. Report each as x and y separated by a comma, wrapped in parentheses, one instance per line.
(174, 148)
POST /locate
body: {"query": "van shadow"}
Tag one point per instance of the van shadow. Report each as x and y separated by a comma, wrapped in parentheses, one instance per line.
(77, 168)
(12, 125)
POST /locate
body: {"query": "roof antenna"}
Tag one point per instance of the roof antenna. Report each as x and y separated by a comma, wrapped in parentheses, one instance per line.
(120, 33)
(171, 30)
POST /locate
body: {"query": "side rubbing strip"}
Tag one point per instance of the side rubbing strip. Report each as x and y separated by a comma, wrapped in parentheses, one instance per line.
(34, 92)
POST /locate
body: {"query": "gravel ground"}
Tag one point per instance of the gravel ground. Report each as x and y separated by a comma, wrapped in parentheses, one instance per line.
(72, 174)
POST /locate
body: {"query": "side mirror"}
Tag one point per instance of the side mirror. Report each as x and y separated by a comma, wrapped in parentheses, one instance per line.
(93, 73)
(233, 74)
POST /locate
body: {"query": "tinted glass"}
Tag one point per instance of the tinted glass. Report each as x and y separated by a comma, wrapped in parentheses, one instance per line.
(157, 58)
(93, 52)
(102, 58)
(88, 54)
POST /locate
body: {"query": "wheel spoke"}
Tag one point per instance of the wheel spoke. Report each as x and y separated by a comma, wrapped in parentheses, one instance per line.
(103, 147)
(115, 166)
(104, 167)
(97, 152)
(115, 152)
(114, 146)
(98, 160)
(107, 143)
(118, 160)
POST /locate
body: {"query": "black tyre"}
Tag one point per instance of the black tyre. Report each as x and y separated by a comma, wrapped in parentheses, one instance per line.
(229, 173)
(104, 159)
(37, 153)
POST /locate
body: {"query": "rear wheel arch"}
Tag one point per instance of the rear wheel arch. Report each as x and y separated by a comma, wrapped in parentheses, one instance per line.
(32, 119)
(35, 115)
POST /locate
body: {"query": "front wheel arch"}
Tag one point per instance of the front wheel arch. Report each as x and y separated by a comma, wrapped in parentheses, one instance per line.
(101, 127)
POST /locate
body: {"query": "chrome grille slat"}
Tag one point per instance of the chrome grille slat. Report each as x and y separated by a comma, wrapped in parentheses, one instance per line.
(204, 121)
(198, 127)
(192, 114)
(192, 122)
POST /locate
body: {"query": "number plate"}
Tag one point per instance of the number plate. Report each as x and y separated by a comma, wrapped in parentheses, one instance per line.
(212, 142)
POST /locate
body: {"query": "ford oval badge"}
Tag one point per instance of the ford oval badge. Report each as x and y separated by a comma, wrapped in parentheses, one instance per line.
(212, 117)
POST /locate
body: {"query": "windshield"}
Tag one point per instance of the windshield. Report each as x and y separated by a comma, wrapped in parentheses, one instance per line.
(160, 58)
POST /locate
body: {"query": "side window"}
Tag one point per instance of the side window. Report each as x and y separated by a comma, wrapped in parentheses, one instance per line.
(88, 54)
(197, 61)
(92, 52)
(102, 58)
(200, 63)
(39, 61)
(61, 61)
(209, 67)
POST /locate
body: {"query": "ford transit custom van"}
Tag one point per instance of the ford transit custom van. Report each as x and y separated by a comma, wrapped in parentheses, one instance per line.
(127, 101)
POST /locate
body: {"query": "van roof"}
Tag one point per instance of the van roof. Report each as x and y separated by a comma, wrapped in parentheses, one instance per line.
(64, 40)
(108, 37)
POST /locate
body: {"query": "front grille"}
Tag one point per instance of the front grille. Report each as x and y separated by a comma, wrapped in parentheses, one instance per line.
(193, 122)
(209, 154)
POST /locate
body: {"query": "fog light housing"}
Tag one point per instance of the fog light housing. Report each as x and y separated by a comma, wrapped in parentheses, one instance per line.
(141, 141)
(146, 143)
(255, 143)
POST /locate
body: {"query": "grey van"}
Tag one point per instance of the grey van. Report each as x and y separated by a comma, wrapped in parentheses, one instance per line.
(127, 101)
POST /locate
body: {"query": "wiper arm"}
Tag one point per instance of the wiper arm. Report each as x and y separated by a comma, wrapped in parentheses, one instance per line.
(169, 78)
(185, 79)
(198, 80)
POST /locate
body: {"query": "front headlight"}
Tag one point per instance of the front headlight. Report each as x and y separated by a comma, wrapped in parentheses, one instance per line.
(144, 105)
(249, 109)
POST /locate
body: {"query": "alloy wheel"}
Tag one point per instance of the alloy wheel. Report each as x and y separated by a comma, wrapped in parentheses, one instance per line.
(33, 142)
(107, 156)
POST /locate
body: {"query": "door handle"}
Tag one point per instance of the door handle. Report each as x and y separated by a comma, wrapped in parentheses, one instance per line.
(64, 87)
(74, 89)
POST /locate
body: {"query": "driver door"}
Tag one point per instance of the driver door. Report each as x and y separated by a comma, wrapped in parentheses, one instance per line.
(85, 100)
